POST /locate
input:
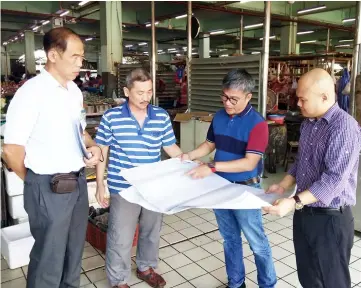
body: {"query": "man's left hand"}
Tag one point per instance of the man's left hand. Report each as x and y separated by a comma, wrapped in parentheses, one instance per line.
(94, 160)
(281, 207)
(200, 172)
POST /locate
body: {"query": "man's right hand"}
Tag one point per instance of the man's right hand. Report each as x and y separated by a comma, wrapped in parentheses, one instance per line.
(100, 196)
(184, 157)
(276, 189)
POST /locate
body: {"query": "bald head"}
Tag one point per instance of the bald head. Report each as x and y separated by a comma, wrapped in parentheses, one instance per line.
(316, 93)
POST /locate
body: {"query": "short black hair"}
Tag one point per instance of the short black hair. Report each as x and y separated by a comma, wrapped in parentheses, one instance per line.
(238, 79)
(138, 74)
(57, 38)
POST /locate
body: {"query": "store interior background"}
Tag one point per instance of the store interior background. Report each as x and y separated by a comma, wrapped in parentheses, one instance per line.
(118, 37)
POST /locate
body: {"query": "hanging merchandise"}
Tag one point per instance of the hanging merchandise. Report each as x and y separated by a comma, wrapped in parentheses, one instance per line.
(344, 92)
(179, 74)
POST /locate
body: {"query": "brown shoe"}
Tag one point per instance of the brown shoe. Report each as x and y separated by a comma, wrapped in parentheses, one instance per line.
(122, 286)
(151, 278)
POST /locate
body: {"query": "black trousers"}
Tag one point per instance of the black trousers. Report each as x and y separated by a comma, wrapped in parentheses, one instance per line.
(58, 223)
(323, 245)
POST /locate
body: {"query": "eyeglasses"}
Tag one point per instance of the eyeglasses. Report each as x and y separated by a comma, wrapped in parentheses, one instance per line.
(231, 99)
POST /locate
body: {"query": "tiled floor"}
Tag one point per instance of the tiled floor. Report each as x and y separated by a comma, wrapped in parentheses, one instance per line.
(191, 255)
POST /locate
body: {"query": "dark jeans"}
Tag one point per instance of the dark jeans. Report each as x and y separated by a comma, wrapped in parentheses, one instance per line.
(323, 246)
(58, 223)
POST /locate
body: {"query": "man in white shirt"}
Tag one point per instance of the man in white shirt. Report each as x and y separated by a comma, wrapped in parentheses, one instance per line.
(42, 147)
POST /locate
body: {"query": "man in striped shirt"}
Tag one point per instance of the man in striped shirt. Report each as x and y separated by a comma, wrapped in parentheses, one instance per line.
(326, 177)
(133, 134)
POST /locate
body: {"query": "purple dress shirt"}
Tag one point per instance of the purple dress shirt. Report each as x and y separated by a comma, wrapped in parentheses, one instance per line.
(328, 158)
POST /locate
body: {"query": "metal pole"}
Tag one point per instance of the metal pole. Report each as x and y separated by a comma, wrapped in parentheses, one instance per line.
(189, 53)
(328, 41)
(267, 24)
(241, 36)
(154, 55)
(355, 60)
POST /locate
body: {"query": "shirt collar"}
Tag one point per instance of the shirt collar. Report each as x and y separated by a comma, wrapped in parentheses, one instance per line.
(127, 113)
(52, 80)
(329, 114)
(245, 111)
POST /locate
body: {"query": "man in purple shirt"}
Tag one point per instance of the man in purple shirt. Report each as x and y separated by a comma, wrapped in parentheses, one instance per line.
(326, 176)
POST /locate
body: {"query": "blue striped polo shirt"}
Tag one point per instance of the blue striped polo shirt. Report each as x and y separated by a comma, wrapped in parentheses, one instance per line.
(131, 145)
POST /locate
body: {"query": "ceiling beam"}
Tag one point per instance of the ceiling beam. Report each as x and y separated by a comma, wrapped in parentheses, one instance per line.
(261, 15)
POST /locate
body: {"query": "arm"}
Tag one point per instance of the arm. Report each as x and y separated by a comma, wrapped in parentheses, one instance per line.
(18, 131)
(257, 144)
(173, 151)
(169, 141)
(100, 169)
(89, 142)
(14, 156)
(341, 157)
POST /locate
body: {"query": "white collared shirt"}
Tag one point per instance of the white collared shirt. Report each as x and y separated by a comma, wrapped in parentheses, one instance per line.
(41, 117)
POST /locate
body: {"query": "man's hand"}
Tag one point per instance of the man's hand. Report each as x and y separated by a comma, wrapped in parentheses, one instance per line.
(281, 207)
(184, 157)
(200, 172)
(100, 195)
(94, 160)
(276, 189)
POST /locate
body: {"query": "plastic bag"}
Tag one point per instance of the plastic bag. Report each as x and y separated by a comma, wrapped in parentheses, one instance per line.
(347, 89)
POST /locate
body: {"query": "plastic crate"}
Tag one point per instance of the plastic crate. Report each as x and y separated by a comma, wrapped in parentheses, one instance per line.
(97, 237)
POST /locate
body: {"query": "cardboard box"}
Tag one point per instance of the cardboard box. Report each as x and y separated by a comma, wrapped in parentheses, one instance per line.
(193, 130)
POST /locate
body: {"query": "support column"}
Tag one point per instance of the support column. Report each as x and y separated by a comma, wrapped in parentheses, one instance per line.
(204, 46)
(30, 66)
(241, 36)
(265, 56)
(99, 63)
(5, 63)
(111, 40)
(288, 39)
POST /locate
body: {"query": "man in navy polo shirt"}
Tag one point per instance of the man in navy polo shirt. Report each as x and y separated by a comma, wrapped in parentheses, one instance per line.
(133, 134)
(240, 136)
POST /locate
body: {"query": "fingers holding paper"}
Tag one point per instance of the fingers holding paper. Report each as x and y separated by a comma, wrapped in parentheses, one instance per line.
(281, 207)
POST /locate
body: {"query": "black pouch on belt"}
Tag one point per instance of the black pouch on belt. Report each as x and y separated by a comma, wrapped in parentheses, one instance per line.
(64, 183)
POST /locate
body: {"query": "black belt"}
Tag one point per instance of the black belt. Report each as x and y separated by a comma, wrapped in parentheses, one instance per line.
(321, 210)
(254, 180)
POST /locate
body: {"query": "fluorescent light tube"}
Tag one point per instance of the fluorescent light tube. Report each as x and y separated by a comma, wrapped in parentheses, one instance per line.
(305, 32)
(64, 13)
(82, 3)
(311, 9)
(217, 32)
(253, 26)
(310, 41)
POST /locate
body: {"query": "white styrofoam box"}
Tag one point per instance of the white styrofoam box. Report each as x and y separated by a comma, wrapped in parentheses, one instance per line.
(92, 189)
(16, 244)
(16, 207)
(14, 184)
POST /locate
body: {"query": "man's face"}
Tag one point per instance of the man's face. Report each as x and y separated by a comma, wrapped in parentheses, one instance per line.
(140, 94)
(69, 62)
(235, 101)
(309, 100)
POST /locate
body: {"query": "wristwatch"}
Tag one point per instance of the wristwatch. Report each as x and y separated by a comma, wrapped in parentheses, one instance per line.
(212, 166)
(298, 204)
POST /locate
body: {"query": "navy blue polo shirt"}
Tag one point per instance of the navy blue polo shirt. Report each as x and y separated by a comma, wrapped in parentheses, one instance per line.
(235, 136)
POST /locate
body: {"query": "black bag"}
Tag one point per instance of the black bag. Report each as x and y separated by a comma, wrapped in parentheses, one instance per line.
(64, 183)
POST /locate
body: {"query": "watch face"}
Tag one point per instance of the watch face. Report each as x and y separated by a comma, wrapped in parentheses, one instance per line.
(299, 206)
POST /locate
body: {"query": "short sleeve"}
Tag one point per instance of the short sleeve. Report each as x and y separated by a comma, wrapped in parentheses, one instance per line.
(258, 139)
(104, 134)
(168, 134)
(210, 134)
(22, 116)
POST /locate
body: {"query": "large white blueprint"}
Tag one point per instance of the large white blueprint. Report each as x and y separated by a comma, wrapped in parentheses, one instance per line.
(164, 187)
